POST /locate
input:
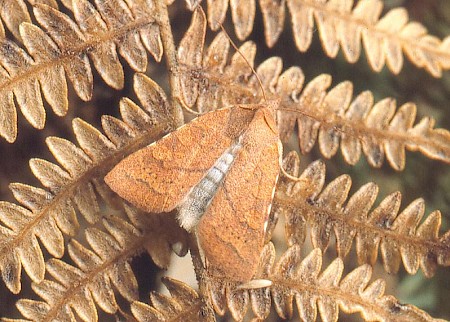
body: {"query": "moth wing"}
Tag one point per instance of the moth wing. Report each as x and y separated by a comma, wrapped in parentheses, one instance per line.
(231, 232)
(158, 177)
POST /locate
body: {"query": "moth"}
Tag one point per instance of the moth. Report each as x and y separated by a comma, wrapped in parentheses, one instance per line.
(219, 171)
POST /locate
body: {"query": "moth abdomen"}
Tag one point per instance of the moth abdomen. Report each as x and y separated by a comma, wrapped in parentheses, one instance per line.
(199, 198)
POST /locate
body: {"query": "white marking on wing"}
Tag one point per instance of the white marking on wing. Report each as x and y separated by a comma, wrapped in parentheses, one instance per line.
(201, 195)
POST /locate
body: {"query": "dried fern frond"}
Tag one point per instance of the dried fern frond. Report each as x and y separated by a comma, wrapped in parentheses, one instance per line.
(301, 283)
(398, 235)
(14, 12)
(62, 47)
(47, 214)
(89, 285)
(342, 24)
(331, 116)
(184, 304)
(380, 130)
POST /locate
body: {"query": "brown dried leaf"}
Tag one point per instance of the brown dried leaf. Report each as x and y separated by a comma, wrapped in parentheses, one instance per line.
(13, 13)
(289, 85)
(92, 141)
(311, 100)
(65, 31)
(50, 214)
(15, 61)
(214, 61)
(358, 206)
(184, 303)
(150, 34)
(190, 53)
(90, 283)
(342, 25)
(400, 236)
(243, 15)
(356, 112)
(53, 82)
(332, 197)
(378, 129)
(237, 302)
(301, 282)
(273, 12)
(329, 115)
(217, 10)
(104, 56)
(117, 14)
(63, 49)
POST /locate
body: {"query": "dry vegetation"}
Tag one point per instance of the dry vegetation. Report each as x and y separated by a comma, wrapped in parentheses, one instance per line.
(363, 90)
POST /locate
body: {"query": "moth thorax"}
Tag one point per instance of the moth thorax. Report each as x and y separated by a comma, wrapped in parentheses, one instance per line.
(201, 195)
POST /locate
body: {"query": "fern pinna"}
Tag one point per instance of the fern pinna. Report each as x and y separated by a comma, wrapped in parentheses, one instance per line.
(68, 249)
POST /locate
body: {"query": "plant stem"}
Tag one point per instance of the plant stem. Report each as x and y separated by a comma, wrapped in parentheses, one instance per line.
(207, 310)
(162, 17)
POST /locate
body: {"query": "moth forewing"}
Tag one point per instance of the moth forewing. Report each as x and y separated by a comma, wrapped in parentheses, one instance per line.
(231, 232)
(220, 171)
(158, 177)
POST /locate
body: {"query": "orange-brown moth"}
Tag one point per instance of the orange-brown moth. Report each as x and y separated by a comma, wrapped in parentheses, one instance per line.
(220, 172)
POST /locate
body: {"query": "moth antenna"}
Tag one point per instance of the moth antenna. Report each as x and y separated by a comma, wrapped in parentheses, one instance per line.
(245, 59)
(287, 175)
(262, 88)
(308, 115)
(260, 82)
